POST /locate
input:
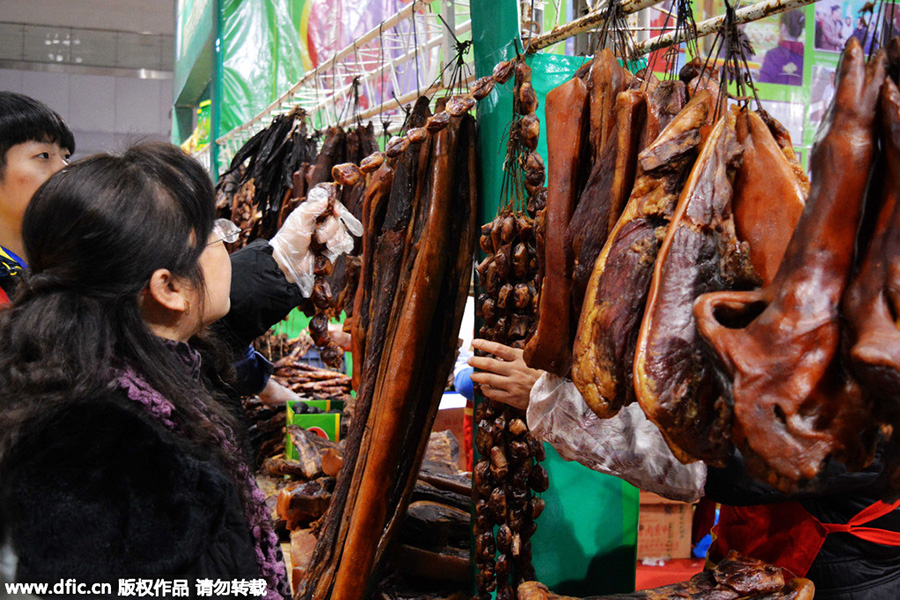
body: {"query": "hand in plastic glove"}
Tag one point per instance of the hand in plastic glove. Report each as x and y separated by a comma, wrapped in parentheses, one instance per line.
(291, 243)
(505, 378)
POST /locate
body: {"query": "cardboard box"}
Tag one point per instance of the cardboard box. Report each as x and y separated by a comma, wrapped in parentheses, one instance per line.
(326, 405)
(326, 425)
(664, 528)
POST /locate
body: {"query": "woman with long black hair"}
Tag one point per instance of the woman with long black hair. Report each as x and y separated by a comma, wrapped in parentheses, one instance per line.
(117, 460)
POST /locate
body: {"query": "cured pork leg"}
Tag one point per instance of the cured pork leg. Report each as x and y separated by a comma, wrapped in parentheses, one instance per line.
(617, 291)
(769, 196)
(872, 302)
(565, 112)
(374, 204)
(778, 346)
(700, 253)
(607, 78)
(612, 171)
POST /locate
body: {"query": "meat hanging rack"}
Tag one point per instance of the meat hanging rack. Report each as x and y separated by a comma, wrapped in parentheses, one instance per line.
(408, 54)
(594, 20)
(414, 49)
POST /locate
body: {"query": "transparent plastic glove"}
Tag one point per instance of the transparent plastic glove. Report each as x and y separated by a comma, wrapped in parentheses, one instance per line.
(328, 229)
(628, 446)
(291, 243)
(350, 222)
(340, 243)
(305, 279)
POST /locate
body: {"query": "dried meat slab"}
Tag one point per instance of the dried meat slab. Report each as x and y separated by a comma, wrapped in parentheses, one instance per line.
(777, 347)
(735, 578)
(614, 155)
(566, 113)
(673, 381)
(872, 302)
(617, 291)
(769, 195)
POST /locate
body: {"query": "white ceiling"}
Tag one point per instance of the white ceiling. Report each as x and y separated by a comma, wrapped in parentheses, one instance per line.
(141, 16)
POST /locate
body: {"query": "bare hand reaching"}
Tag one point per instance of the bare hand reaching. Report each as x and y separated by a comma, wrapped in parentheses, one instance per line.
(504, 377)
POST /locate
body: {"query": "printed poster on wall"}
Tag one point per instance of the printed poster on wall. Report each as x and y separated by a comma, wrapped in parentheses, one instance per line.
(795, 55)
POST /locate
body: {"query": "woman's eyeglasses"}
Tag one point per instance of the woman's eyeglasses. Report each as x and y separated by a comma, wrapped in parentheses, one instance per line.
(224, 231)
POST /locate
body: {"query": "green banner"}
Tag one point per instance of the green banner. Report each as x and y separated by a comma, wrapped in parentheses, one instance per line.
(261, 56)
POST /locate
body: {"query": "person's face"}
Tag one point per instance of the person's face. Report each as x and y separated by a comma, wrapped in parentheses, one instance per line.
(216, 266)
(28, 165)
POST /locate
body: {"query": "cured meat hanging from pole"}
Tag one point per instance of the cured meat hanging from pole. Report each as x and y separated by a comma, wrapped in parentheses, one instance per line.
(566, 113)
(596, 211)
(769, 194)
(794, 404)
(700, 253)
(420, 277)
(607, 332)
(871, 303)
(506, 472)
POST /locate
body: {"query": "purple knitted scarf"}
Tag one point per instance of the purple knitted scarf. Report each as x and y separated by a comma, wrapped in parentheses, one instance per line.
(268, 552)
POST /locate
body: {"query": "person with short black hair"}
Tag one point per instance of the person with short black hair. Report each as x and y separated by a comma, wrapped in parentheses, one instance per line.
(35, 143)
(116, 457)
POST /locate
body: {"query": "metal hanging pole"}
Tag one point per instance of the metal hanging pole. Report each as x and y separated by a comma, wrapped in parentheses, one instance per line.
(747, 14)
(590, 21)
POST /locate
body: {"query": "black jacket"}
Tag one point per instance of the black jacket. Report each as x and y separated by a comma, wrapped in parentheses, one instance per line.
(847, 567)
(260, 297)
(99, 491)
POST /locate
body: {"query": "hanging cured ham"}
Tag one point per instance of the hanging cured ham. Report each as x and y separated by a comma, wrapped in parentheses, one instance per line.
(700, 253)
(601, 201)
(423, 247)
(566, 113)
(872, 302)
(617, 291)
(794, 405)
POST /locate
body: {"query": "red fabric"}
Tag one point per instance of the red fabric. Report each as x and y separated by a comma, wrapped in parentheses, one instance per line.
(870, 534)
(786, 535)
(467, 431)
(704, 519)
(667, 572)
(4, 298)
(783, 534)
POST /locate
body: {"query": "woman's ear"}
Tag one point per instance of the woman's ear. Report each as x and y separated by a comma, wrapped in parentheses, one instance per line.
(168, 291)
